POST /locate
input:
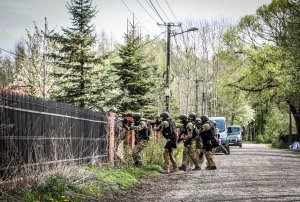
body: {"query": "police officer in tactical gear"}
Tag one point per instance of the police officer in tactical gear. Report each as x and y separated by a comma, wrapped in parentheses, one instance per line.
(141, 138)
(167, 127)
(188, 135)
(207, 134)
(198, 123)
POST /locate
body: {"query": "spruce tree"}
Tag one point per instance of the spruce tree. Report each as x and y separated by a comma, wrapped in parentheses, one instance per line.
(75, 57)
(135, 77)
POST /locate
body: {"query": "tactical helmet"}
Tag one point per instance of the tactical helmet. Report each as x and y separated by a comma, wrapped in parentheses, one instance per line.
(137, 116)
(204, 118)
(183, 118)
(192, 116)
(164, 115)
(113, 109)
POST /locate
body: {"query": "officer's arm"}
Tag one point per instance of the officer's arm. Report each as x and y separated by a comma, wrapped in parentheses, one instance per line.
(161, 126)
(189, 129)
(140, 127)
(205, 127)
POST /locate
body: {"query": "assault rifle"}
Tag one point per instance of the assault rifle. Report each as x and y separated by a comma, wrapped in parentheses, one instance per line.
(155, 122)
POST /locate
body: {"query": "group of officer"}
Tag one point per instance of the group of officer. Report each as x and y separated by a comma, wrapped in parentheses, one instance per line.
(197, 134)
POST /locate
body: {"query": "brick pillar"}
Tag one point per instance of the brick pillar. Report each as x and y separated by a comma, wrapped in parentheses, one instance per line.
(111, 136)
(130, 138)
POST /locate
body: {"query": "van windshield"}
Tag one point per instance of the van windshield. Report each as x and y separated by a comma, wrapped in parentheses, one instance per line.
(220, 125)
(233, 130)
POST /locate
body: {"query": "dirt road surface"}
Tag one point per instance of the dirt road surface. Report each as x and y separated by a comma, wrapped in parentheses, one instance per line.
(251, 173)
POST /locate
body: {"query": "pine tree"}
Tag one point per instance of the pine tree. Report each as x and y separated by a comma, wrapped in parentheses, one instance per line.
(76, 58)
(135, 77)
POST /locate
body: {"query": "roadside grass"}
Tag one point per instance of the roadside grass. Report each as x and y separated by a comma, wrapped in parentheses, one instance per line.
(89, 183)
(93, 183)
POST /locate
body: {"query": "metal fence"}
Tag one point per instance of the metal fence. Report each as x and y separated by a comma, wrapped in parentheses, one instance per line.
(35, 133)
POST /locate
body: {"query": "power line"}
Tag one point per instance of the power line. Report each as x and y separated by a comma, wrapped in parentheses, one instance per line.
(135, 17)
(171, 10)
(157, 11)
(151, 40)
(8, 51)
(163, 11)
(146, 11)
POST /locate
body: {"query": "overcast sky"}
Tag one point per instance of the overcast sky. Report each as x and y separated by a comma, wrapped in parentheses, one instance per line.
(18, 15)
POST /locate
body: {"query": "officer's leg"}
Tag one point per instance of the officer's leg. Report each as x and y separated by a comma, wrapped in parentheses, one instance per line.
(201, 156)
(210, 160)
(137, 150)
(193, 153)
(173, 160)
(185, 159)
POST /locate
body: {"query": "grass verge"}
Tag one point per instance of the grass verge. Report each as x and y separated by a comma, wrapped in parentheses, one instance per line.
(89, 183)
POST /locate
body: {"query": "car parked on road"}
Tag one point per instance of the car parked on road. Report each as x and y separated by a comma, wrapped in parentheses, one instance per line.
(235, 135)
(223, 139)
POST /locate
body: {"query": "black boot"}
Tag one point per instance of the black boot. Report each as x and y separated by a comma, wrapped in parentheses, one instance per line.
(182, 167)
(212, 168)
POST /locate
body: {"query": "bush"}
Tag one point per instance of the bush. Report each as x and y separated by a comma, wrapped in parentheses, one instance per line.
(153, 153)
(55, 188)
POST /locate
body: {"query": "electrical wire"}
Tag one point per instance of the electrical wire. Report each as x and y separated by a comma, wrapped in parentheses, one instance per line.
(135, 17)
(151, 40)
(163, 11)
(8, 52)
(146, 11)
(157, 12)
(171, 10)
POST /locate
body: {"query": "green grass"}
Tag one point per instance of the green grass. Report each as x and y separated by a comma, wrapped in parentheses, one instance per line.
(86, 183)
(93, 182)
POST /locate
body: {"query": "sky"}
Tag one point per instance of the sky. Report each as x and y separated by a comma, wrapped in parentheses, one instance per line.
(18, 15)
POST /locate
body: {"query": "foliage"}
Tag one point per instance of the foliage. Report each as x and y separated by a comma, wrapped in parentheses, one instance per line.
(7, 70)
(266, 67)
(153, 153)
(33, 66)
(55, 188)
(86, 183)
(79, 80)
(274, 123)
(135, 78)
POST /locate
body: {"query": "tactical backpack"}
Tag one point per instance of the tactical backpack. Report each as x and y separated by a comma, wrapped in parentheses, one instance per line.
(198, 123)
(214, 140)
(172, 126)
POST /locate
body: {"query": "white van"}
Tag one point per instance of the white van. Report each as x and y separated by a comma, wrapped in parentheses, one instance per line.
(221, 125)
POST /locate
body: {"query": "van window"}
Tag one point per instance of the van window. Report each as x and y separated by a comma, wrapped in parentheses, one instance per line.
(221, 125)
(233, 129)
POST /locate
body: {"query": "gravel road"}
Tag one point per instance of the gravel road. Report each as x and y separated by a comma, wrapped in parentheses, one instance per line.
(251, 173)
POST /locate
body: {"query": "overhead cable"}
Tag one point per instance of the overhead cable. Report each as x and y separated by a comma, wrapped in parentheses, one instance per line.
(171, 10)
(157, 12)
(135, 17)
(163, 11)
(146, 11)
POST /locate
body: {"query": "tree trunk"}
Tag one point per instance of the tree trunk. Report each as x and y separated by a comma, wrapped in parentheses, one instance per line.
(296, 115)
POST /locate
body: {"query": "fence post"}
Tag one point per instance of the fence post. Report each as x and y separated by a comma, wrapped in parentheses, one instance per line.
(130, 139)
(111, 136)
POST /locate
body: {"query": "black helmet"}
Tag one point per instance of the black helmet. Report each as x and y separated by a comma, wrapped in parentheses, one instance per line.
(164, 115)
(137, 117)
(113, 109)
(183, 118)
(192, 116)
(204, 118)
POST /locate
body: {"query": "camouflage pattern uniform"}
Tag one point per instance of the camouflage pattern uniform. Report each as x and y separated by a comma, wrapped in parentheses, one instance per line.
(207, 145)
(141, 141)
(169, 147)
(190, 146)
